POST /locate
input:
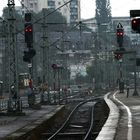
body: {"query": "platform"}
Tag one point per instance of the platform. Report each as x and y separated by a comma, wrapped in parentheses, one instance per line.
(123, 122)
(15, 127)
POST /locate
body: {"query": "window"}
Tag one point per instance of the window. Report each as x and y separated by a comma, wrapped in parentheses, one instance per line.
(31, 5)
(74, 10)
(74, 3)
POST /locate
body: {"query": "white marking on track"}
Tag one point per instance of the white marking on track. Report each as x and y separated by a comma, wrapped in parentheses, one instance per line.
(129, 124)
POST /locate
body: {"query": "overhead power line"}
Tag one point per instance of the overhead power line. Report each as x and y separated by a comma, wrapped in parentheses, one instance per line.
(37, 20)
(53, 11)
(59, 39)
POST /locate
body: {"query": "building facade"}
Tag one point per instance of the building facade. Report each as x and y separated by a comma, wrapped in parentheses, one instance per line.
(75, 11)
(71, 11)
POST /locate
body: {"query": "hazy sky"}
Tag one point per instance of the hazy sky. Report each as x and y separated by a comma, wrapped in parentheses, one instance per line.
(119, 7)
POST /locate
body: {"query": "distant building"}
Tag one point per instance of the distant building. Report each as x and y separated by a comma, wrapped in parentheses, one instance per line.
(125, 21)
(91, 23)
(75, 14)
(70, 11)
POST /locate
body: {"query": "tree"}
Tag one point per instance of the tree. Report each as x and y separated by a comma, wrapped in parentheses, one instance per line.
(103, 14)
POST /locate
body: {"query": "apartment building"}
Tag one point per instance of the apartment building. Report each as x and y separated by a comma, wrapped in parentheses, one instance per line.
(71, 11)
(75, 11)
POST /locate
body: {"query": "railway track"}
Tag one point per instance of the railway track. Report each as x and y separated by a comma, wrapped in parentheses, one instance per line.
(78, 125)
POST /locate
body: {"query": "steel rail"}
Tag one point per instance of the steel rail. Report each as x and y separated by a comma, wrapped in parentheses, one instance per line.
(69, 118)
(89, 133)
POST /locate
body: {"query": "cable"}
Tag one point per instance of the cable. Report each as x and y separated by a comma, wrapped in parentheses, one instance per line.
(37, 20)
(66, 5)
(52, 23)
(26, 8)
(53, 44)
(53, 11)
(62, 37)
(47, 14)
(55, 23)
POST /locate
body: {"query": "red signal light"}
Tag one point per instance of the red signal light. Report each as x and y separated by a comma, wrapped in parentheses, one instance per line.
(134, 21)
(118, 56)
(119, 33)
(135, 24)
(28, 33)
(28, 29)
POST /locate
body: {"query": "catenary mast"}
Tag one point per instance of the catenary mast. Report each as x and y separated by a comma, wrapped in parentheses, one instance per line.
(12, 48)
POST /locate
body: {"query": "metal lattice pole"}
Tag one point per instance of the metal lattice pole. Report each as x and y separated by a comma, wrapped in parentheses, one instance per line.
(44, 37)
(12, 48)
(45, 55)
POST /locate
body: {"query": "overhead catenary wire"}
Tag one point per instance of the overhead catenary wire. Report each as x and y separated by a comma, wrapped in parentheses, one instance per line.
(54, 23)
(66, 5)
(37, 20)
(62, 37)
(50, 12)
(54, 11)
(59, 39)
(26, 8)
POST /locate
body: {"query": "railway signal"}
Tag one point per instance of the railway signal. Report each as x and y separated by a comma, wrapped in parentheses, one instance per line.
(29, 34)
(118, 55)
(135, 20)
(135, 25)
(120, 34)
(28, 30)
